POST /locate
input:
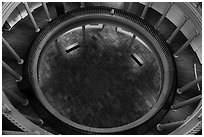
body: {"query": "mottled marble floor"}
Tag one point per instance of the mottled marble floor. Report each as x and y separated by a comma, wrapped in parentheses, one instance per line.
(99, 84)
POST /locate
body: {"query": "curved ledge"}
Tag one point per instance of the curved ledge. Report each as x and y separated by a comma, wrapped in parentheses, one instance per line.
(7, 9)
(192, 125)
(121, 18)
(19, 120)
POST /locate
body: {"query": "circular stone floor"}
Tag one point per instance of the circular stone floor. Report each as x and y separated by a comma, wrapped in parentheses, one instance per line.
(99, 84)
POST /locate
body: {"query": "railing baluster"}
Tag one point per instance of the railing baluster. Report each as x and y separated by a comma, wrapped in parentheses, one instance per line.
(6, 26)
(145, 10)
(186, 102)
(129, 6)
(185, 45)
(84, 33)
(168, 6)
(189, 85)
(200, 117)
(132, 40)
(35, 120)
(31, 17)
(169, 40)
(17, 97)
(46, 11)
(59, 48)
(198, 4)
(5, 109)
(82, 4)
(6, 44)
(172, 125)
(12, 72)
(196, 76)
(60, 9)
(65, 6)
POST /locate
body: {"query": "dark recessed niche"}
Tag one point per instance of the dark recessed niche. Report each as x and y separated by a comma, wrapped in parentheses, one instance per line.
(72, 47)
(137, 59)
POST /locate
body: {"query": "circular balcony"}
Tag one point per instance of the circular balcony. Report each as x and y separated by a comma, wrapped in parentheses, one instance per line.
(103, 68)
